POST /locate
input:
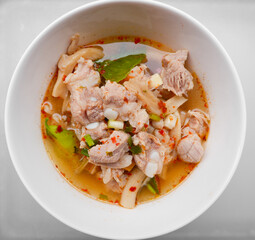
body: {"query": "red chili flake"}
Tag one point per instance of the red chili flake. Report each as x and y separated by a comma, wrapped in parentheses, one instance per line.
(63, 174)
(161, 132)
(100, 179)
(146, 125)
(59, 129)
(42, 111)
(125, 100)
(129, 173)
(132, 189)
(117, 144)
(120, 37)
(117, 201)
(83, 139)
(162, 106)
(137, 40)
(85, 190)
(102, 72)
(111, 201)
(163, 140)
(64, 78)
(56, 166)
(113, 139)
(206, 105)
(145, 105)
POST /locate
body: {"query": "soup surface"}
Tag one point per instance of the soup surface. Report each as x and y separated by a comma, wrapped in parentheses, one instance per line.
(177, 126)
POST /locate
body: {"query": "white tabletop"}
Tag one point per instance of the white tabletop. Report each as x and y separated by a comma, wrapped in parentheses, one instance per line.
(233, 214)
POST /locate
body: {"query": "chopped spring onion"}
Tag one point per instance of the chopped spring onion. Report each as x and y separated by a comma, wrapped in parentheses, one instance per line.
(152, 186)
(89, 140)
(103, 197)
(115, 124)
(155, 117)
(85, 152)
(130, 142)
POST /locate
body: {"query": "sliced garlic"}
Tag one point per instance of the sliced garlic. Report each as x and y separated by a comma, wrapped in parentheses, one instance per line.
(158, 124)
(155, 81)
(151, 169)
(170, 121)
(93, 125)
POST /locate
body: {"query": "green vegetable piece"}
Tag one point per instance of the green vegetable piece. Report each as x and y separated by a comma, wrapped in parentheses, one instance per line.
(118, 69)
(85, 152)
(128, 129)
(109, 154)
(135, 149)
(65, 138)
(155, 117)
(103, 197)
(130, 142)
(150, 188)
(89, 140)
(154, 185)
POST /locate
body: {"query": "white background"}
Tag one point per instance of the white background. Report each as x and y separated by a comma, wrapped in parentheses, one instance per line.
(233, 214)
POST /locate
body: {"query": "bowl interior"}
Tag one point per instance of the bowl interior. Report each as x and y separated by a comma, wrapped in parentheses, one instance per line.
(207, 58)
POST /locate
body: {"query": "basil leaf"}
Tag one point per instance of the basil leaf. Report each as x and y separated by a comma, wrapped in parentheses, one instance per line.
(118, 69)
(135, 149)
(65, 138)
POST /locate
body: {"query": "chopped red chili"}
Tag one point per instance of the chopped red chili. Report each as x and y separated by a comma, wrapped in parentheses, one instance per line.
(137, 40)
(125, 100)
(146, 125)
(132, 189)
(59, 129)
(162, 106)
(161, 132)
(113, 139)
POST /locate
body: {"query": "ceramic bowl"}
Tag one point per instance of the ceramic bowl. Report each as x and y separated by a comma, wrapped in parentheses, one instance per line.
(208, 59)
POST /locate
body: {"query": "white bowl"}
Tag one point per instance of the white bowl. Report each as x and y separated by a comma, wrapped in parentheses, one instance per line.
(208, 58)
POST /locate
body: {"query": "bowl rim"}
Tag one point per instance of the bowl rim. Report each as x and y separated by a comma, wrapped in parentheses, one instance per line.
(151, 3)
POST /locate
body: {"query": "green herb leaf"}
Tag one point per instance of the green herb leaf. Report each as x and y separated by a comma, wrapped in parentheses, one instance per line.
(135, 149)
(155, 117)
(118, 69)
(85, 152)
(103, 197)
(152, 184)
(128, 128)
(130, 142)
(109, 154)
(88, 139)
(65, 138)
